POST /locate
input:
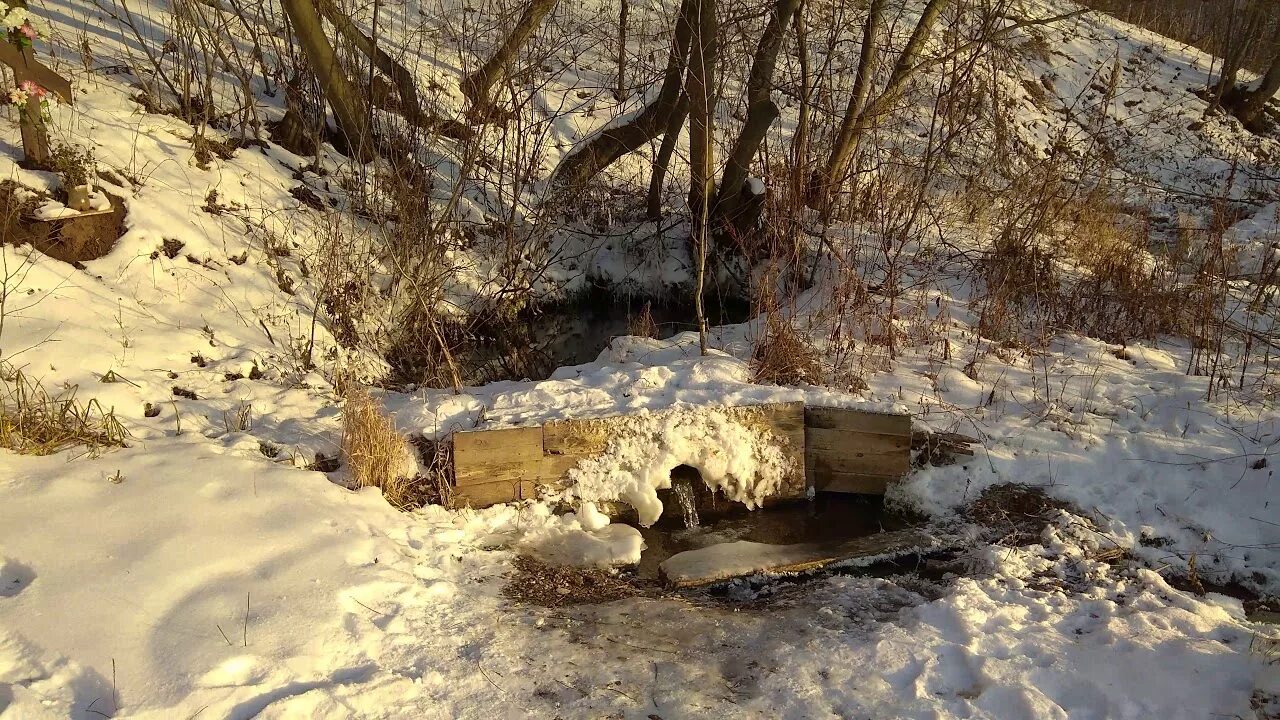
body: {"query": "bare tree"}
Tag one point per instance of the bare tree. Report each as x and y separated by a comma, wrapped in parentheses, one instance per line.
(863, 111)
(651, 121)
(761, 112)
(478, 86)
(846, 140)
(349, 107)
(701, 86)
(1251, 102)
(624, 7)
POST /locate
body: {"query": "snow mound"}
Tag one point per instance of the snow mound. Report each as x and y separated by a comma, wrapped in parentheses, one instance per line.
(738, 460)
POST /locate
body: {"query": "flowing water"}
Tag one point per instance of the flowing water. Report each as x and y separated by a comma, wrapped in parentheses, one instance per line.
(683, 491)
(828, 518)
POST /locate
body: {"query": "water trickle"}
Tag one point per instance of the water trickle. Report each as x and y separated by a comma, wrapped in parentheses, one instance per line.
(682, 489)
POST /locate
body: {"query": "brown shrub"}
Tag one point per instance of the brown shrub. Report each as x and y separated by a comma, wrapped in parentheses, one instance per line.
(783, 357)
(376, 453)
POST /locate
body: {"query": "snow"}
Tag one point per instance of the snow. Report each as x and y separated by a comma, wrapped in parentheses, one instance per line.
(632, 376)
(206, 571)
(743, 463)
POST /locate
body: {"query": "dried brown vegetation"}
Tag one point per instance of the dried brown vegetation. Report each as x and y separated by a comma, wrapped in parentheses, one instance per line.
(34, 421)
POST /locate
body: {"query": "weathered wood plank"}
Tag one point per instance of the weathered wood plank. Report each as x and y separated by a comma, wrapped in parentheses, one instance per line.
(851, 420)
(26, 67)
(785, 422)
(491, 493)
(579, 437)
(858, 452)
(828, 480)
(508, 454)
(555, 468)
(736, 559)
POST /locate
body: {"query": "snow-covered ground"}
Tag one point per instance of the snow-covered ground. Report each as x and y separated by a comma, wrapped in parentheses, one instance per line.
(208, 571)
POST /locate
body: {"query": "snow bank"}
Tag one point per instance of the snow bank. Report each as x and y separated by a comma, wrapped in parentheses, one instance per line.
(740, 461)
(632, 375)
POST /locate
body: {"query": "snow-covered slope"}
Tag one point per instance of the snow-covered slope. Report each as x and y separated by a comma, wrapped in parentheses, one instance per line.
(206, 571)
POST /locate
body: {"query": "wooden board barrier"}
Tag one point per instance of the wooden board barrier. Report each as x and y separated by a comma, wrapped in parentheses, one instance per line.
(854, 451)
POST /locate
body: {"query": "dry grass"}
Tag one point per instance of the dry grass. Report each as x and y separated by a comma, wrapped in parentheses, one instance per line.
(643, 324)
(537, 583)
(1083, 268)
(35, 422)
(375, 451)
(1017, 513)
(783, 357)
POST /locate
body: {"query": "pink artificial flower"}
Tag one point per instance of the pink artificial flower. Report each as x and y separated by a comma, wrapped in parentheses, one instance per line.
(31, 88)
(29, 31)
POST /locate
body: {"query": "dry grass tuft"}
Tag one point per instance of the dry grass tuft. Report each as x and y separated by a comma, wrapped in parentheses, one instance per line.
(783, 357)
(1088, 271)
(35, 422)
(377, 454)
(643, 324)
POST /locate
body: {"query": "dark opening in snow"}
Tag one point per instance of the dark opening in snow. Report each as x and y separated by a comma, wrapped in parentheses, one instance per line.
(829, 518)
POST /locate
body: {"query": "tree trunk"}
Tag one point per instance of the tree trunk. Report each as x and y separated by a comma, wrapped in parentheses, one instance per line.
(661, 163)
(348, 106)
(614, 142)
(405, 82)
(478, 86)
(846, 139)
(761, 112)
(1250, 105)
(623, 10)
(1242, 31)
(800, 138)
(700, 85)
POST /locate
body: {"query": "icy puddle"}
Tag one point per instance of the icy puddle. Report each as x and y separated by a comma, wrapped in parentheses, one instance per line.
(693, 544)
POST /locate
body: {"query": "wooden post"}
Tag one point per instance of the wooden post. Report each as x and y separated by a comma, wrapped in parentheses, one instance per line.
(35, 136)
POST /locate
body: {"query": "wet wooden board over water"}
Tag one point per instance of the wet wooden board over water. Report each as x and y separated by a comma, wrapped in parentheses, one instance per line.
(726, 561)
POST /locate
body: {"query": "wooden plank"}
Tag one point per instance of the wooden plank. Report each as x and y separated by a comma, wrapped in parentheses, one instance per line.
(724, 561)
(579, 437)
(26, 67)
(785, 422)
(859, 452)
(554, 469)
(852, 420)
(508, 454)
(485, 494)
(827, 480)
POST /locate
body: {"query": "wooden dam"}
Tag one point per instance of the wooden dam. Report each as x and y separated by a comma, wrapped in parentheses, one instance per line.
(828, 450)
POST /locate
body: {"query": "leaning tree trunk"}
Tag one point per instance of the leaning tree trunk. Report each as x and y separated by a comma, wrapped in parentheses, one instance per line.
(478, 86)
(348, 106)
(662, 163)
(615, 142)
(846, 140)
(800, 138)
(405, 82)
(1249, 107)
(761, 112)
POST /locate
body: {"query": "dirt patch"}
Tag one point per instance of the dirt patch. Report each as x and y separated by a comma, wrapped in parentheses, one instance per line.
(1017, 514)
(74, 239)
(537, 583)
